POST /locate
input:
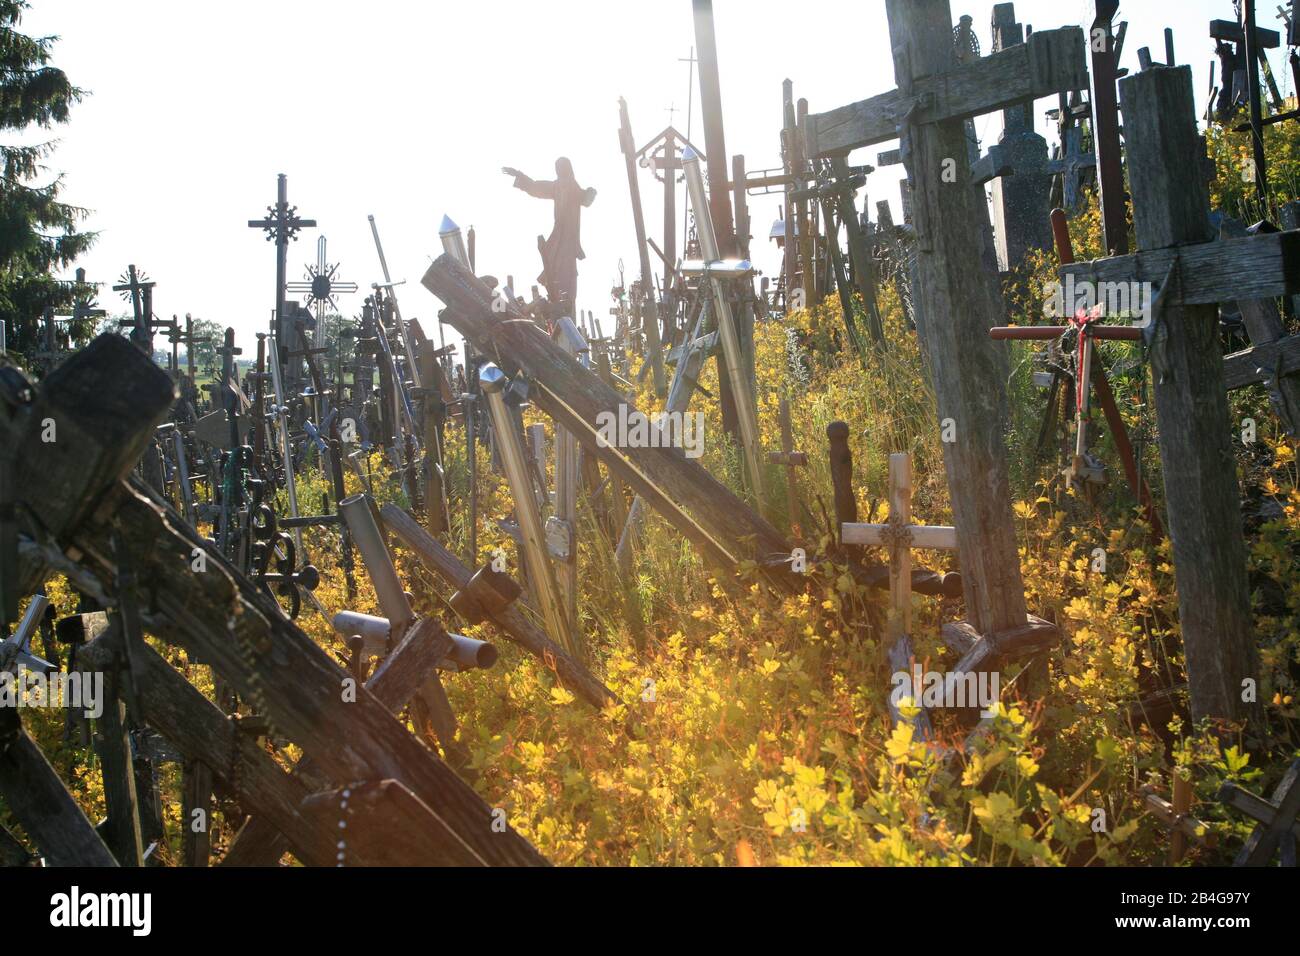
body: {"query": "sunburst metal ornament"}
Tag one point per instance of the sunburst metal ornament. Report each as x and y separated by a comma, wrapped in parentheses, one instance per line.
(321, 286)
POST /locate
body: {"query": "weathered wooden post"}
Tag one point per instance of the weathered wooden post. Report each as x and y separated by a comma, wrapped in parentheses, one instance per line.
(953, 288)
(651, 323)
(1170, 204)
(732, 349)
(1105, 129)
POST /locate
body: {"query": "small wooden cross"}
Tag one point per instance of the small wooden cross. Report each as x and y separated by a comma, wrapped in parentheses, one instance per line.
(900, 536)
(1277, 819)
(1176, 816)
(791, 459)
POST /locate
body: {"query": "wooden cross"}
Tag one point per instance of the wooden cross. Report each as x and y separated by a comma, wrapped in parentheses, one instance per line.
(1193, 274)
(955, 295)
(1277, 828)
(900, 536)
(791, 459)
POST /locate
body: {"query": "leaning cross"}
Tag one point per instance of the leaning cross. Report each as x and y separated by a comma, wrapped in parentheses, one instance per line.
(956, 296)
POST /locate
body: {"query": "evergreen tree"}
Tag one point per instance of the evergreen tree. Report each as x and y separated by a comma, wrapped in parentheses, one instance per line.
(38, 233)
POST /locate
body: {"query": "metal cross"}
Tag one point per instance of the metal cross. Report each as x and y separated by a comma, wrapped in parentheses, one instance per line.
(137, 288)
(321, 285)
(282, 225)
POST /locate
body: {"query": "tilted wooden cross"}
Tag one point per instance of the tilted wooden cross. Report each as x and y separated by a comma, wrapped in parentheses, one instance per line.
(1277, 828)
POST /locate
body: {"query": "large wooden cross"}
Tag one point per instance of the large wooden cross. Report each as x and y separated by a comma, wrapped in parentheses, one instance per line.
(957, 298)
(1193, 274)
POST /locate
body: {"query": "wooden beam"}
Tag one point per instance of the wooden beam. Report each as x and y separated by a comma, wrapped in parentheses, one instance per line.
(1050, 62)
(960, 299)
(104, 402)
(720, 525)
(1258, 267)
(397, 680)
(509, 620)
(222, 616)
(1255, 364)
(41, 803)
(203, 733)
(384, 820)
(1170, 199)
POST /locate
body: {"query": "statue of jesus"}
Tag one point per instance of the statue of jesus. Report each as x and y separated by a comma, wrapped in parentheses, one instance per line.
(563, 248)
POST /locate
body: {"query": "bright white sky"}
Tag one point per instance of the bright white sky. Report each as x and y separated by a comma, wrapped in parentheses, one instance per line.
(408, 111)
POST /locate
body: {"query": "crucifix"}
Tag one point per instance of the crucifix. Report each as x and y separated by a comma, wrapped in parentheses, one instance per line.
(282, 226)
(83, 308)
(1071, 163)
(957, 297)
(322, 285)
(1278, 829)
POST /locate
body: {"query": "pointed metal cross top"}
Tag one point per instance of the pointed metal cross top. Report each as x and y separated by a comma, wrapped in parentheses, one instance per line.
(320, 282)
(281, 223)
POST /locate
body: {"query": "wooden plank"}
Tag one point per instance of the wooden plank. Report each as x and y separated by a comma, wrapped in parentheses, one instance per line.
(1255, 364)
(12, 853)
(113, 745)
(721, 526)
(1050, 62)
(395, 682)
(1264, 325)
(989, 652)
(1170, 199)
(390, 824)
(202, 732)
(510, 621)
(1258, 267)
(225, 619)
(938, 537)
(41, 803)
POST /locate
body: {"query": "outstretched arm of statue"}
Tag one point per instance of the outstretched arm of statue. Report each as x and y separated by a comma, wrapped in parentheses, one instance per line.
(539, 190)
(588, 196)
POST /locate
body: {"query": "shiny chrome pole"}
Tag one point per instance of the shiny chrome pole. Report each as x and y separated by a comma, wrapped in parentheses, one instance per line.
(541, 574)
